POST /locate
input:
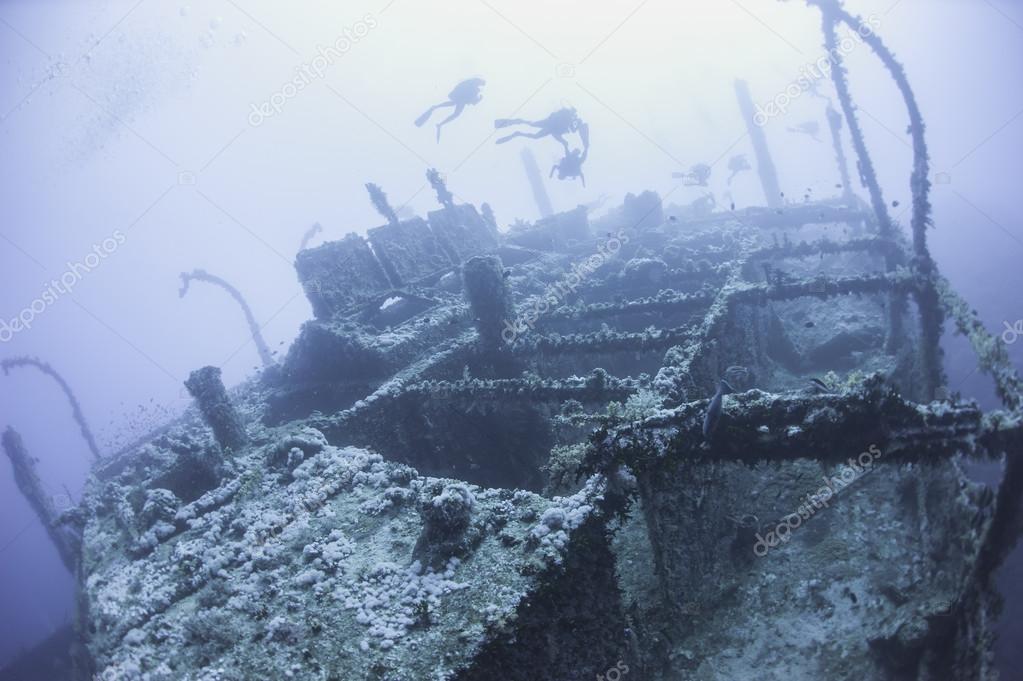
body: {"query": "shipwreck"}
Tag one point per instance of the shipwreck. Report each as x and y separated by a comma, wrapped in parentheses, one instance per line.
(498, 454)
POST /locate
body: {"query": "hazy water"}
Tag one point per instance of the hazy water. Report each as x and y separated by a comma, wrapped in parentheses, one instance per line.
(135, 119)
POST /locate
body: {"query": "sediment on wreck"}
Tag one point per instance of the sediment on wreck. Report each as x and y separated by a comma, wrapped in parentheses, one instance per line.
(572, 628)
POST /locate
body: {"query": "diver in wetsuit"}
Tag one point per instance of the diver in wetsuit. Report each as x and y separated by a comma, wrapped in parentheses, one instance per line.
(571, 166)
(557, 125)
(465, 93)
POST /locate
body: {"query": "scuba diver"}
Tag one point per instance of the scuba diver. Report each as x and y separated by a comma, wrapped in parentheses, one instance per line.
(737, 164)
(464, 94)
(697, 176)
(571, 166)
(809, 128)
(557, 125)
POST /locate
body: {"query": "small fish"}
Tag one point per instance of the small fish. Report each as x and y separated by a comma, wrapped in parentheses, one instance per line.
(673, 218)
(818, 383)
(895, 204)
(838, 186)
(809, 325)
(710, 421)
(733, 205)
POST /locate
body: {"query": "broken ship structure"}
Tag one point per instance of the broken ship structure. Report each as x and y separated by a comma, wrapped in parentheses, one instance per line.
(488, 456)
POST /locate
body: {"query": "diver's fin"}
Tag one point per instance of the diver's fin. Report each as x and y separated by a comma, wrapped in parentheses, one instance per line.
(425, 117)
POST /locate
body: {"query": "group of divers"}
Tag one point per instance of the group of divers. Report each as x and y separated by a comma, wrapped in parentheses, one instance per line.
(557, 125)
(564, 122)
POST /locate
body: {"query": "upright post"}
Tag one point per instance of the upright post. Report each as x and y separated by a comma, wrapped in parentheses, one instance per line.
(765, 165)
(543, 202)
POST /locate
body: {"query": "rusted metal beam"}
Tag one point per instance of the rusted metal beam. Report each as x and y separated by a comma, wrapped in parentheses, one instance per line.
(757, 426)
(67, 543)
(765, 164)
